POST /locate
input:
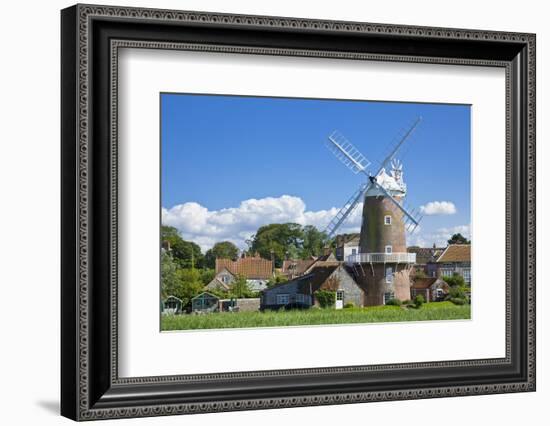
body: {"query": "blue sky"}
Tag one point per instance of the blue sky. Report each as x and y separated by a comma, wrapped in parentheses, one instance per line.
(220, 151)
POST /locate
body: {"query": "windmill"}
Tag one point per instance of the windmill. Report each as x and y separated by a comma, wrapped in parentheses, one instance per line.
(382, 263)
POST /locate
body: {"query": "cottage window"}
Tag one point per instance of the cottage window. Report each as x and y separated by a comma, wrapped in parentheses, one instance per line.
(282, 299)
(387, 220)
(447, 272)
(353, 251)
(389, 275)
(466, 274)
(388, 296)
(389, 249)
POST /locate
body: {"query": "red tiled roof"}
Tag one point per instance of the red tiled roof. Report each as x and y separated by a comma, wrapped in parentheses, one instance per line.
(455, 253)
(256, 268)
(296, 267)
(422, 283)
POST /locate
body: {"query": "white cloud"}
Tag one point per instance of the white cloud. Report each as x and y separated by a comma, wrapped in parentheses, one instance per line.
(237, 224)
(438, 207)
(439, 237)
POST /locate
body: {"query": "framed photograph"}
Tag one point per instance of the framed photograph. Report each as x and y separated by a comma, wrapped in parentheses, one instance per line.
(264, 212)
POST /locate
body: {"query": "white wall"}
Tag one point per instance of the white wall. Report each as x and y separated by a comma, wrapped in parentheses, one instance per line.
(29, 217)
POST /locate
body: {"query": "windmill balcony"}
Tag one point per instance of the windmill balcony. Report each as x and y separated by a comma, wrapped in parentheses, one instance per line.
(382, 258)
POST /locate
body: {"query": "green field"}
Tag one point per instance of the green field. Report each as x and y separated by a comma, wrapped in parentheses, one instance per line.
(428, 311)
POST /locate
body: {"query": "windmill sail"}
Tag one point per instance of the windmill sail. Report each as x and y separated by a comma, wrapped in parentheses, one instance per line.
(346, 210)
(357, 162)
(402, 138)
(347, 153)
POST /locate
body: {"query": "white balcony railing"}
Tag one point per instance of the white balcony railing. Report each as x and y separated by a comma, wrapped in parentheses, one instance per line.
(382, 258)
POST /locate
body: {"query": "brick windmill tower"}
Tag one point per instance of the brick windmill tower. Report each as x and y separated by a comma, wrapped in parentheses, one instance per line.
(382, 265)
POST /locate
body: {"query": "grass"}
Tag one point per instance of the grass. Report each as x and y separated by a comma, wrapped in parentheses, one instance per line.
(427, 312)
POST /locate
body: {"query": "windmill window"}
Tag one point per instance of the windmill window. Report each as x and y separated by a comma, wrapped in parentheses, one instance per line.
(389, 275)
(388, 296)
(389, 249)
(387, 220)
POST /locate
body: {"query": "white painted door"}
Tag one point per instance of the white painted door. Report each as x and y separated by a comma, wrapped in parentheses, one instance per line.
(339, 299)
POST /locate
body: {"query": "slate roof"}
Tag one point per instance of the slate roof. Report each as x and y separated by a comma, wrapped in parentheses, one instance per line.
(342, 239)
(216, 283)
(455, 253)
(315, 277)
(313, 281)
(329, 257)
(426, 254)
(252, 268)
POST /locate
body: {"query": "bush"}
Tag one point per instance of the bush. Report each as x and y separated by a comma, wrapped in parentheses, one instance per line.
(419, 301)
(393, 302)
(454, 280)
(326, 298)
(349, 305)
(456, 293)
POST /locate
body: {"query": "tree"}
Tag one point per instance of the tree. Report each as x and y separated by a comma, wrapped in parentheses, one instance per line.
(314, 242)
(240, 288)
(221, 250)
(277, 240)
(168, 276)
(455, 280)
(185, 253)
(207, 275)
(189, 284)
(458, 239)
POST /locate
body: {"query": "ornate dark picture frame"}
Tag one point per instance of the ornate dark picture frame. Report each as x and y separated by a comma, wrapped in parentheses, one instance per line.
(91, 37)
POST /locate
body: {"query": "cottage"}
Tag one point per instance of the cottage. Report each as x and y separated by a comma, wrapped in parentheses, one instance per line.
(432, 289)
(426, 259)
(256, 270)
(293, 268)
(346, 245)
(222, 281)
(455, 259)
(300, 292)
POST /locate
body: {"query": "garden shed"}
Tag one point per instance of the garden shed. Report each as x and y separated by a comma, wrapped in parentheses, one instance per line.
(204, 303)
(172, 305)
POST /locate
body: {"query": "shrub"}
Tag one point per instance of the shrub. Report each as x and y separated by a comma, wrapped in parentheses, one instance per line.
(393, 302)
(458, 300)
(456, 293)
(349, 305)
(454, 280)
(326, 298)
(419, 301)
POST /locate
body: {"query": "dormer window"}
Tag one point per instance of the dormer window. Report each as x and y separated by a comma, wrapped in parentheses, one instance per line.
(387, 220)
